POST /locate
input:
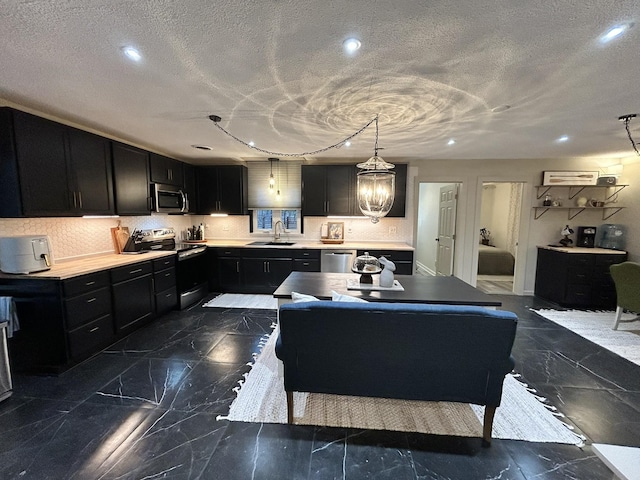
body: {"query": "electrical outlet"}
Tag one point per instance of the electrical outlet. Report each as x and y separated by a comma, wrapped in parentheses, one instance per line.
(392, 230)
(349, 230)
(225, 228)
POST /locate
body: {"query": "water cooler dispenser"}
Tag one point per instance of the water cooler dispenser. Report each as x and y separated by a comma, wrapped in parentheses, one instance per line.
(611, 236)
(586, 237)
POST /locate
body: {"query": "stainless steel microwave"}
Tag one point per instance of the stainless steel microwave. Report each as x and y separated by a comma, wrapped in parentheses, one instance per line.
(169, 199)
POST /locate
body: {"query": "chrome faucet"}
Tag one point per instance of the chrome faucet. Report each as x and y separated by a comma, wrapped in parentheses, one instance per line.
(276, 234)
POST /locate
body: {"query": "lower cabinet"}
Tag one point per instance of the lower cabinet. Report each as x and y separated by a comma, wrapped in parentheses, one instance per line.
(265, 274)
(403, 259)
(133, 296)
(577, 279)
(164, 285)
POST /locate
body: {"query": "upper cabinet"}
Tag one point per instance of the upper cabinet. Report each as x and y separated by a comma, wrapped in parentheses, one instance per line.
(222, 189)
(50, 169)
(131, 180)
(189, 187)
(166, 170)
(332, 189)
(328, 190)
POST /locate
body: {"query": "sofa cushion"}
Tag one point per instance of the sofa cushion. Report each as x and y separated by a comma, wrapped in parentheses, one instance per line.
(303, 297)
(339, 297)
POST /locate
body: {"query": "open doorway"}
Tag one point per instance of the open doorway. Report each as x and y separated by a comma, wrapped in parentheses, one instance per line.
(435, 230)
(498, 236)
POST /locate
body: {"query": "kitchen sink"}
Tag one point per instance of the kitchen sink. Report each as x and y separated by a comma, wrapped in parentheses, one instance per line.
(272, 243)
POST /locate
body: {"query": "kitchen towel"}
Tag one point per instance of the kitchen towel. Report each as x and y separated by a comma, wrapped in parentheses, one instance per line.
(9, 313)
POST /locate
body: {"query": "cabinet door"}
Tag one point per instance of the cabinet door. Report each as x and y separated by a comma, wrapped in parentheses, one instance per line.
(232, 189)
(131, 178)
(400, 199)
(207, 180)
(133, 302)
(165, 170)
(42, 163)
(279, 269)
(92, 190)
(229, 274)
(313, 190)
(256, 275)
(189, 186)
(340, 189)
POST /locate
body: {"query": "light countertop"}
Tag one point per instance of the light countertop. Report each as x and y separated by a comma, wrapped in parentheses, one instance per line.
(73, 268)
(594, 250)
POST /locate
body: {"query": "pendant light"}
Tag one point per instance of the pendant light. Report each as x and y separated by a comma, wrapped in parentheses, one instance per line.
(272, 180)
(376, 185)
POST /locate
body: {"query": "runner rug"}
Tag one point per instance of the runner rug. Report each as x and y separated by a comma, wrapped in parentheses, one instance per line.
(521, 416)
(596, 327)
(236, 300)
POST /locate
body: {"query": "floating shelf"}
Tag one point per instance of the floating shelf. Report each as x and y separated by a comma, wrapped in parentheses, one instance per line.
(574, 190)
(575, 211)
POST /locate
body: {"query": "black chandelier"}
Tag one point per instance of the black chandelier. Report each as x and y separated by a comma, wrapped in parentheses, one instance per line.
(626, 119)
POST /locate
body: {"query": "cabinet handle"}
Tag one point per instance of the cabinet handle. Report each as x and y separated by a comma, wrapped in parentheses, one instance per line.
(89, 283)
(91, 300)
(168, 295)
(305, 264)
(75, 200)
(167, 274)
(137, 270)
(305, 254)
(269, 267)
(238, 267)
(169, 174)
(80, 199)
(94, 329)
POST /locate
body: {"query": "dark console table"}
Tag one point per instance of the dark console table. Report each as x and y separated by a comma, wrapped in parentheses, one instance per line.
(577, 277)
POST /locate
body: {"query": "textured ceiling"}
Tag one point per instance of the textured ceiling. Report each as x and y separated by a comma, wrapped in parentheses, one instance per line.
(276, 73)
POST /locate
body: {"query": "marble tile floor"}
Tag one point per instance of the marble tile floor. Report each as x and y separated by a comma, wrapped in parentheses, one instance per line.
(147, 406)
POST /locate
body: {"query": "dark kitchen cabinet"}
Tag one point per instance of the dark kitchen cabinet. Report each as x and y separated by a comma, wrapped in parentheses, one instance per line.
(131, 179)
(50, 169)
(133, 296)
(328, 190)
(222, 189)
(306, 260)
(164, 284)
(577, 279)
(265, 269)
(225, 272)
(189, 186)
(403, 259)
(166, 170)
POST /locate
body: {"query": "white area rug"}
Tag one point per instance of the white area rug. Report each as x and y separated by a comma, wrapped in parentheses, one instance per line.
(522, 416)
(596, 327)
(234, 300)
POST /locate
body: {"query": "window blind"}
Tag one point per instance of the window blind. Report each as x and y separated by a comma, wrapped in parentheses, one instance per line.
(288, 178)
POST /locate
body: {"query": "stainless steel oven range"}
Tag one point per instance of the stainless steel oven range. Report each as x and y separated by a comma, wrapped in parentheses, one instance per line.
(191, 274)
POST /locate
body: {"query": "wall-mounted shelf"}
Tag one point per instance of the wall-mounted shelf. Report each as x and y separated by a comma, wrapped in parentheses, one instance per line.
(574, 190)
(575, 211)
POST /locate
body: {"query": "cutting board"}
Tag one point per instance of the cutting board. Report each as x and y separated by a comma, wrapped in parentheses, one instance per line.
(120, 236)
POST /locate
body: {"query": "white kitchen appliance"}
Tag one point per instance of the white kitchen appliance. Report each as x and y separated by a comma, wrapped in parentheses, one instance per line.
(25, 254)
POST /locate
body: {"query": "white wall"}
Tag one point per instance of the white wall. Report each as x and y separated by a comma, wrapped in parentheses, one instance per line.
(496, 200)
(427, 227)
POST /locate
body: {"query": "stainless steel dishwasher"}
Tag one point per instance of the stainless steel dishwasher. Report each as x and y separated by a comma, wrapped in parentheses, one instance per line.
(337, 260)
(5, 372)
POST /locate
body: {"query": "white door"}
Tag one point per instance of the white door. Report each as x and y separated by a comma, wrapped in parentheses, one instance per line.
(446, 229)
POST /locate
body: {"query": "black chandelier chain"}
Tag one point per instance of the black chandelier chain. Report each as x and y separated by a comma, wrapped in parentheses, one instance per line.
(216, 121)
(626, 119)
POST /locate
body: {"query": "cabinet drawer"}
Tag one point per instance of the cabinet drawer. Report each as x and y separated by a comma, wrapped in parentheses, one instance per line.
(86, 283)
(608, 260)
(577, 259)
(91, 337)
(306, 265)
(306, 254)
(229, 252)
(164, 280)
(580, 274)
(393, 255)
(166, 301)
(122, 274)
(165, 262)
(578, 294)
(86, 307)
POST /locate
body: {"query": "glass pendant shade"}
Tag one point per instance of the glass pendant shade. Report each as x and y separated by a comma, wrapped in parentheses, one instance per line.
(376, 188)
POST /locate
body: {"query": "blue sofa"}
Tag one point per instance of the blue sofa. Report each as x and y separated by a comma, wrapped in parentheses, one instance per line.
(397, 350)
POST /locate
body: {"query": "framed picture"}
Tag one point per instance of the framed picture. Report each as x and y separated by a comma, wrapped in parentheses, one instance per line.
(335, 230)
(569, 178)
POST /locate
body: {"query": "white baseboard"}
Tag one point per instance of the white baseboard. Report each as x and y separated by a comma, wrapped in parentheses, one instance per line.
(424, 270)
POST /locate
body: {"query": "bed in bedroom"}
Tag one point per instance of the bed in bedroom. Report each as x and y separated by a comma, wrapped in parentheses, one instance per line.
(494, 261)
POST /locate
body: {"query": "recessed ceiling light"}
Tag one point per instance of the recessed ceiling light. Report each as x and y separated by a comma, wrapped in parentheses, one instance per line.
(132, 53)
(615, 32)
(347, 143)
(351, 45)
(451, 141)
(501, 108)
(202, 147)
(562, 139)
(251, 144)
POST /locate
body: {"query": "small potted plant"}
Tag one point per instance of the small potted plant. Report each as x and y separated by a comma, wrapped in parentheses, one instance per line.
(485, 236)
